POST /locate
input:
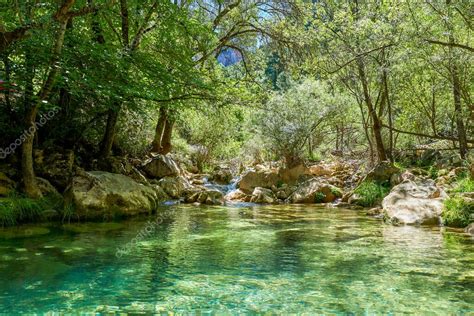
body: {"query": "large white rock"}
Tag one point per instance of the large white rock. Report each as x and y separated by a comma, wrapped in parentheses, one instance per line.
(96, 193)
(252, 179)
(414, 203)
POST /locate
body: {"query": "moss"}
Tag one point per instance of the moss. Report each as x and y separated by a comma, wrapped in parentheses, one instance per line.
(458, 212)
(371, 193)
(319, 197)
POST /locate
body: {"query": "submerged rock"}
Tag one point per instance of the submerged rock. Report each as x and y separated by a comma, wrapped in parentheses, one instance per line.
(23, 232)
(419, 203)
(161, 166)
(315, 191)
(97, 193)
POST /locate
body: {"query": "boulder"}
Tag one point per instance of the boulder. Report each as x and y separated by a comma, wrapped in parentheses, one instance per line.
(262, 195)
(174, 186)
(381, 173)
(7, 185)
(97, 193)
(46, 187)
(203, 196)
(315, 191)
(160, 166)
(320, 170)
(399, 177)
(252, 179)
(236, 195)
(222, 176)
(292, 175)
(56, 167)
(414, 203)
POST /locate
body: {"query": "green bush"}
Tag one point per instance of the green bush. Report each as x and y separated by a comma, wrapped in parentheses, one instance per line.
(371, 193)
(457, 212)
(464, 184)
(16, 208)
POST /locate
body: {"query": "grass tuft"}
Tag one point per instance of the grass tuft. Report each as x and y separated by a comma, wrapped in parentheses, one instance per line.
(371, 193)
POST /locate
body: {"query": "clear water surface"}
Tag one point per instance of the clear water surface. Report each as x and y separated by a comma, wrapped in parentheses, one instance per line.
(231, 260)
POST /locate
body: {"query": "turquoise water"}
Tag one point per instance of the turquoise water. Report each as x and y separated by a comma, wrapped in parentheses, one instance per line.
(226, 260)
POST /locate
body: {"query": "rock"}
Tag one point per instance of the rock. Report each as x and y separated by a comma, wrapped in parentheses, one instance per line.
(56, 167)
(161, 166)
(399, 177)
(222, 176)
(292, 175)
(252, 179)
(376, 211)
(262, 195)
(320, 170)
(412, 203)
(429, 156)
(7, 185)
(97, 193)
(284, 192)
(470, 229)
(381, 173)
(315, 191)
(174, 186)
(237, 195)
(45, 187)
(203, 196)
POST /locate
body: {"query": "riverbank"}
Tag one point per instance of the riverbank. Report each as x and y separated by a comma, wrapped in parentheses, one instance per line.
(129, 187)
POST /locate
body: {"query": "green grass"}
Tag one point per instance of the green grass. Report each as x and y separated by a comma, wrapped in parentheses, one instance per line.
(457, 212)
(464, 184)
(371, 193)
(17, 208)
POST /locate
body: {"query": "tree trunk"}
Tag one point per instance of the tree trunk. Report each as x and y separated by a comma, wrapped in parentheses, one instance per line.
(109, 135)
(166, 139)
(457, 96)
(160, 126)
(28, 175)
(376, 124)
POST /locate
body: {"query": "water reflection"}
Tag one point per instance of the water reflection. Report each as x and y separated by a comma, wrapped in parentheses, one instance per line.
(285, 259)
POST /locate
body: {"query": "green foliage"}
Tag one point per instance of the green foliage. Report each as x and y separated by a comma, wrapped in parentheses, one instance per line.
(319, 197)
(458, 212)
(464, 184)
(371, 193)
(16, 208)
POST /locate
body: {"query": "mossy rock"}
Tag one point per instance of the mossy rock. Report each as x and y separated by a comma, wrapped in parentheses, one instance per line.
(92, 227)
(22, 232)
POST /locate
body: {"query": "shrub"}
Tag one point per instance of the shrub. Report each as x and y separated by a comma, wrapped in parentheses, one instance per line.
(457, 212)
(371, 193)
